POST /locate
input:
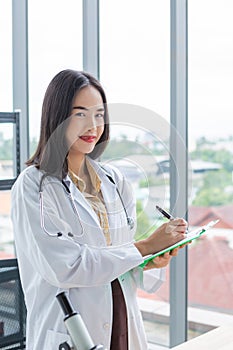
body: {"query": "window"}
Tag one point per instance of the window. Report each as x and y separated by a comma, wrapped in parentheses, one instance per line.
(6, 130)
(6, 57)
(135, 72)
(211, 144)
(60, 48)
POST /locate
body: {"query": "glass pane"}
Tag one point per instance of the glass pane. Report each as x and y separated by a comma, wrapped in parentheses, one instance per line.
(211, 145)
(6, 231)
(6, 130)
(60, 48)
(135, 72)
(6, 56)
(6, 152)
(135, 53)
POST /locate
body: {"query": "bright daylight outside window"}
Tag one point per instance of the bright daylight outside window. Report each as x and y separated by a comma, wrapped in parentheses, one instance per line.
(60, 48)
(135, 72)
(211, 150)
(48, 54)
(6, 130)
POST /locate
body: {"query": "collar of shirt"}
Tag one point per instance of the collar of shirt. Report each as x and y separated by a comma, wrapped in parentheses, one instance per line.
(91, 190)
(95, 182)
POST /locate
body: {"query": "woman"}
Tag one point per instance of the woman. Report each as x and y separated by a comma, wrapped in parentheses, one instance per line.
(83, 246)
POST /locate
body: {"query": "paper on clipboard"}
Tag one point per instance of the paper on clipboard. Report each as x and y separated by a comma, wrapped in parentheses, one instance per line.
(190, 237)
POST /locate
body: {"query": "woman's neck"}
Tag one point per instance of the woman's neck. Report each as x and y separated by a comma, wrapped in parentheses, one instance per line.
(75, 163)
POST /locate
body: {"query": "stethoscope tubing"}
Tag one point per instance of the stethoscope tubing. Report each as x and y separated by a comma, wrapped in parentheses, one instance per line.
(130, 221)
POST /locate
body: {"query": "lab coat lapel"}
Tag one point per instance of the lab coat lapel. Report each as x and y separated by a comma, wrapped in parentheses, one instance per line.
(109, 194)
(83, 203)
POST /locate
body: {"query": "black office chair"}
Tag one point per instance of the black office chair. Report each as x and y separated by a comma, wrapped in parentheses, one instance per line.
(12, 307)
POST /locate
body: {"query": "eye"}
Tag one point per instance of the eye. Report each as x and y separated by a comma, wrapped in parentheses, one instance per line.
(100, 115)
(80, 115)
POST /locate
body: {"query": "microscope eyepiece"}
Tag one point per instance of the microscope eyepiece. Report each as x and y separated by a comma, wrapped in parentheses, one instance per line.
(66, 306)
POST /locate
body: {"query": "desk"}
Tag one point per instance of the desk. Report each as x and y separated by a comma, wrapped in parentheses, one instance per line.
(220, 338)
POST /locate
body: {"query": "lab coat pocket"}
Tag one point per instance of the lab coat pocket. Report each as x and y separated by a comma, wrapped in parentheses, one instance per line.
(54, 339)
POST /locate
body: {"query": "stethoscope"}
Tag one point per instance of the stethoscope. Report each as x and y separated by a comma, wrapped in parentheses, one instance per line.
(130, 220)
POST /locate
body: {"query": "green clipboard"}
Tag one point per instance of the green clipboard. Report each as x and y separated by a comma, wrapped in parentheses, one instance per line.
(190, 237)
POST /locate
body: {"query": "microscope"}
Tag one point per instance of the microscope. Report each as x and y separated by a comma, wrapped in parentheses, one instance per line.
(77, 330)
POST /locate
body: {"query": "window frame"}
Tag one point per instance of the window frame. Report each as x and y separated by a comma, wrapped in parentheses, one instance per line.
(179, 121)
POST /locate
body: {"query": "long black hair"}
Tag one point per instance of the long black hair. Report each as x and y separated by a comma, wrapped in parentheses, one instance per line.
(52, 150)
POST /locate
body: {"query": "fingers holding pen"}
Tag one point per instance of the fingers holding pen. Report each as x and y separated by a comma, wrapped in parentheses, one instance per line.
(177, 225)
(175, 230)
(165, 235)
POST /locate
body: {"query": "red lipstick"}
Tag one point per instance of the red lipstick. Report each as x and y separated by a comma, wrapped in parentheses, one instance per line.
(88, 139)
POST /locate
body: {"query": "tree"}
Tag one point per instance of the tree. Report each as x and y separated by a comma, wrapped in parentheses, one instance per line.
(143, 222)
(221, 156)
(6, 148)
(212, 191)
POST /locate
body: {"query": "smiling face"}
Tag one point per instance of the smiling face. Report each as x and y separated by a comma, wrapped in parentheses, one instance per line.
(86, 123)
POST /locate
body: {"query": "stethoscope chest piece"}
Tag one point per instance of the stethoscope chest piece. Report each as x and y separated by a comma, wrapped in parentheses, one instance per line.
(130, 222)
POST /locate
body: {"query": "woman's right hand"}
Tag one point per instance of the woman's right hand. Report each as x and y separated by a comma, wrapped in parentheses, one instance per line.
(167, 234)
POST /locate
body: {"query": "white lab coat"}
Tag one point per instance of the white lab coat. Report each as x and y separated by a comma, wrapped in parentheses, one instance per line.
(83, 265)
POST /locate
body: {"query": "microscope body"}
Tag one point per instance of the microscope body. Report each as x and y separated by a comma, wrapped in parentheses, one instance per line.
(77, 330)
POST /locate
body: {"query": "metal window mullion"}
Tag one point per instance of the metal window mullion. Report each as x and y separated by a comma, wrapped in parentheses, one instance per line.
(179, 166)
(91, 37)
(20, 72)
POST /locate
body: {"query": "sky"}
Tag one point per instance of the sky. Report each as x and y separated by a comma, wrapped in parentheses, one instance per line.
(134, 56)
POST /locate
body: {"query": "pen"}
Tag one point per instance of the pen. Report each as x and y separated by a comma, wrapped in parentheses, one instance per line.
(165, 213)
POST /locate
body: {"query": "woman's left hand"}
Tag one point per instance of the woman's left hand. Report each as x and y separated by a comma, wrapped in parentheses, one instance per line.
(163, 260)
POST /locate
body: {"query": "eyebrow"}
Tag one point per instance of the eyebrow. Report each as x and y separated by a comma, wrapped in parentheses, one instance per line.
(100, 109)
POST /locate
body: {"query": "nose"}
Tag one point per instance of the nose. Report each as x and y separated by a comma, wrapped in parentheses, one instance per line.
(92, 124)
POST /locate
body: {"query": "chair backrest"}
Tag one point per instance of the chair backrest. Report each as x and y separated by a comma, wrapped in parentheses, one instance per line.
(12, 307)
